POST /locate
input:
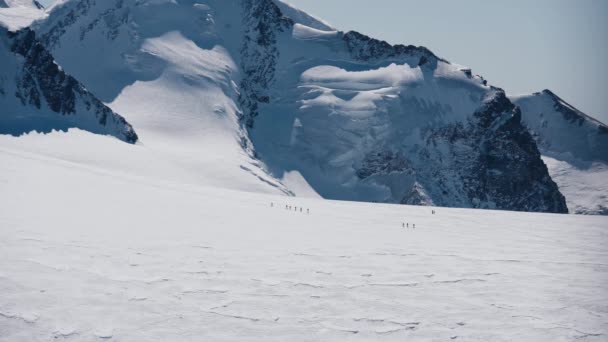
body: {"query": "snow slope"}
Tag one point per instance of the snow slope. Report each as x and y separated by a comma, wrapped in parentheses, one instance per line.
(575, 148)
(162, 65)
(88, 253)
(583, 184)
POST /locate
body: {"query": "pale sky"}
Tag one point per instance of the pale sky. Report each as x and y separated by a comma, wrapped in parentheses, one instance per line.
(522, 46)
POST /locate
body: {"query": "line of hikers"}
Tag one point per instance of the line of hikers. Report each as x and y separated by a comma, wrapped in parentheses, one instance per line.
(294, 208)
(407, 224)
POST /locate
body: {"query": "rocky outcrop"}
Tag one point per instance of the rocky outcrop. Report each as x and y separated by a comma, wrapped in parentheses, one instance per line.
(365, 49)
(262, 22)
(507, 169)
(382, 162)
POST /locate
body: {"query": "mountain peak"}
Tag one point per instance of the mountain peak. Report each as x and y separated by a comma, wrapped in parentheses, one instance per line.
(569, 112)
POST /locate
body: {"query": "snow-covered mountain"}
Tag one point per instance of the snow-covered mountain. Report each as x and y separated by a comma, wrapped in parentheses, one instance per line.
(320, 111)
(297, 107)
(574, 146)
(364, 120)
(36, 94)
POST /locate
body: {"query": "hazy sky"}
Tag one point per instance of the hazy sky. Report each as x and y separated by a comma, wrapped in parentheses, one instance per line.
(522, 46)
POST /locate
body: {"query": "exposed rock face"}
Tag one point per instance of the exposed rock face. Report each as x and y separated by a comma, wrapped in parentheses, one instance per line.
(366, 49)
(504, 167)
(383, 162)
(51, 37)
(49, 97)
(262, 22)
(417, 196)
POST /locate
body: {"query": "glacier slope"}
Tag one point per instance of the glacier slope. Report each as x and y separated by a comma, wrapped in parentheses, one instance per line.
(88, 252)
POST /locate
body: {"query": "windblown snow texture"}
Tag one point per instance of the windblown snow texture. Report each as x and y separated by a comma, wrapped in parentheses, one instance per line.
(43, 97)
(358, 118)
(175, 261)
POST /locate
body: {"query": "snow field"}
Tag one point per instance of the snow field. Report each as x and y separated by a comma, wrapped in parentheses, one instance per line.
(89, 252)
